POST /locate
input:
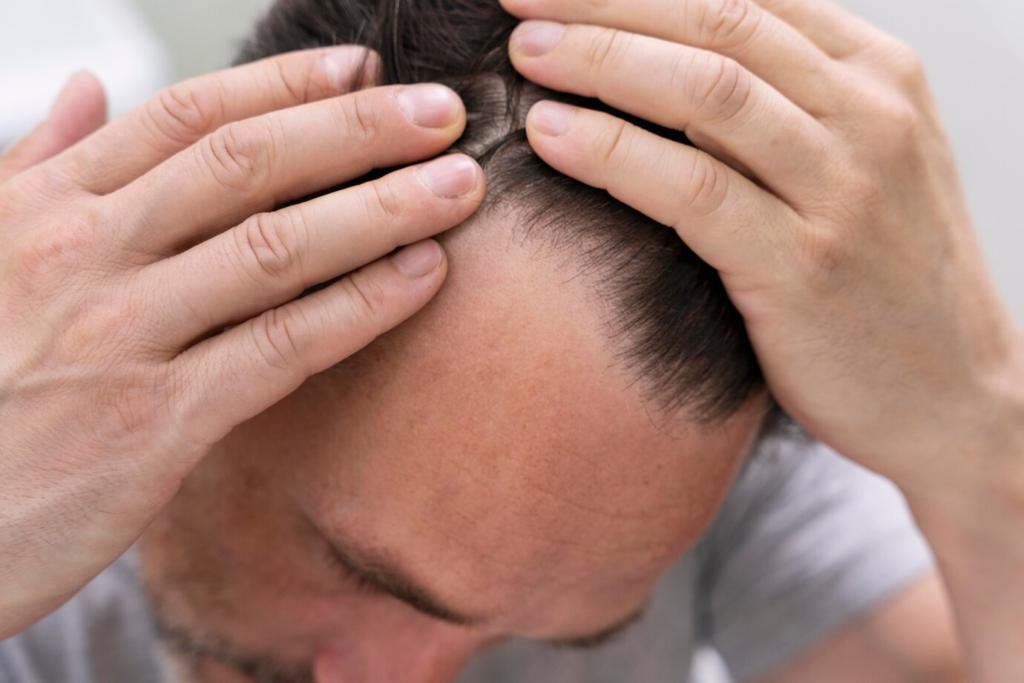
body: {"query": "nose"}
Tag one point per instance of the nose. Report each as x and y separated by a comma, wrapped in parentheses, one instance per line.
(436, 659)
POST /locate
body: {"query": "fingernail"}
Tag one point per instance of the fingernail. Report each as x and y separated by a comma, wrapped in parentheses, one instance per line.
(342, 68)
(536, 38)
(419, 259)
(551, 118)
(450, 176)
(432, 106)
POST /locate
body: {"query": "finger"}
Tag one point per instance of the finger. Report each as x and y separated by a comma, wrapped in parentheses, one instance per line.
(696, 91)
(80, 111)
(767, 46)
(838, 32)
(184, 113)
(272, 258)
(256, 165)
(233, 377)
(731, 223)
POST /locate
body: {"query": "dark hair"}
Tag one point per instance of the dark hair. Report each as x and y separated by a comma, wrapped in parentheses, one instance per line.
(674, 324)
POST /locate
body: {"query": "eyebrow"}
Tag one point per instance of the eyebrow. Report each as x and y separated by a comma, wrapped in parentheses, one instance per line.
(376, 572)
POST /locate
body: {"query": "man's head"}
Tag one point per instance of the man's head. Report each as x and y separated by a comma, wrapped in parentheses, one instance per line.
(524, 458)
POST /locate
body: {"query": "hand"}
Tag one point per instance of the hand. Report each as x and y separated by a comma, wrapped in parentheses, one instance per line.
(825, 193)
(128, 255)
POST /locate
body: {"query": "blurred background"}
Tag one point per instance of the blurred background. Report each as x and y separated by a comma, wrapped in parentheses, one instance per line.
(974, 52)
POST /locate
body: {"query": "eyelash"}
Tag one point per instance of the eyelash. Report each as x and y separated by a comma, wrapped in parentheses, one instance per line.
(606, 639)
(339, 567)
(367, 588)
(590, 643)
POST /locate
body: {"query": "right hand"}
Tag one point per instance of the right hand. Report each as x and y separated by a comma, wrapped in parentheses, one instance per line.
(127, 256)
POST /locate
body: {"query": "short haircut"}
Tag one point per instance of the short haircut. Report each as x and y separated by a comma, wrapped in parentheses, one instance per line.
(673, 326)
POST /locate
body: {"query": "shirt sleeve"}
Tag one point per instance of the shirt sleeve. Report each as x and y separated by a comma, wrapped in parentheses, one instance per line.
(806, 543)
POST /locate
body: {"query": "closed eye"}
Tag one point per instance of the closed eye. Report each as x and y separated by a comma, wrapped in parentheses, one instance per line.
(374, 580)
(362, 583)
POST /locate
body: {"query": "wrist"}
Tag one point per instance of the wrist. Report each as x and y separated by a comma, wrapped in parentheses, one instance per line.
(975, 530)
(979, 492)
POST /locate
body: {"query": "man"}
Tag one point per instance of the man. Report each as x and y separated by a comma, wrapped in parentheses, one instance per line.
(500, 465)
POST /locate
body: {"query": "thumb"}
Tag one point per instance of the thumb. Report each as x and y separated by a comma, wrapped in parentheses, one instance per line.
(80, 110)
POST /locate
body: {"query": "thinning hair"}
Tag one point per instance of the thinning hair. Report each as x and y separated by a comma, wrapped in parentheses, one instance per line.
(673, 324)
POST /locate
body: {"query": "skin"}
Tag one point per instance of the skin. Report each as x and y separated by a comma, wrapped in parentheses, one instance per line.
(549, 507)
(129, 253)
(810, 121)
(908, 639)
(823, 128)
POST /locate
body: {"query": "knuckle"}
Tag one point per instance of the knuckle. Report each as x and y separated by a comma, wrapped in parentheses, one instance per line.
(268, 245)
(384, 205)
(187, 389)
(183, 113)
(859, 188)
(722, 88)
(296, 84)
(899, 125)
(606, 49)
(906, 120)
(613, 146)
(240, 156)
(707, 187)
(825, 254)
(678, 80)
(728, 23)
(98, 327)
(68, 249)
(905, 64)
(369, 300)
(862, 189)
(360, 118)
(134, 407)
(281, 338)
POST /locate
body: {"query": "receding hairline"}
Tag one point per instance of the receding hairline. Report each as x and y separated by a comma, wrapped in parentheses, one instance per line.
(676, 328)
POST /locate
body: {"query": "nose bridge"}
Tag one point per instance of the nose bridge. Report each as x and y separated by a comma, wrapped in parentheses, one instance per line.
(436, 654)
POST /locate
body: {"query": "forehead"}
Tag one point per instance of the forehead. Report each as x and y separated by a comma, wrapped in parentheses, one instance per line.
(497, 431)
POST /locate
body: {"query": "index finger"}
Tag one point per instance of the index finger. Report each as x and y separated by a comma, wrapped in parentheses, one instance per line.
(183, 114)
(740, 29)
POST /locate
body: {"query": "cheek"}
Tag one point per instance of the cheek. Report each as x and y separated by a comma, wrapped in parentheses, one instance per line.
(233, 559)
(230, 561)
(229, 553)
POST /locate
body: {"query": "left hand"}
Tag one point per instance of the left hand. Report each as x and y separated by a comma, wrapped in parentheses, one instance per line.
(825, 193)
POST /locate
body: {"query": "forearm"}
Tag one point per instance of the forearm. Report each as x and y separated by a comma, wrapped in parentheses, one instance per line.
(985, 577)
(910, 638)
(867, 301)
(977, 532)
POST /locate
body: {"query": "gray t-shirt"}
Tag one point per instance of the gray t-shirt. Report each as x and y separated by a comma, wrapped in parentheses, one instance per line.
(805, 543)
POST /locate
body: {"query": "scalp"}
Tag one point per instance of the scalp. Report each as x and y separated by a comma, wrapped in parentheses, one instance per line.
(671, 323)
